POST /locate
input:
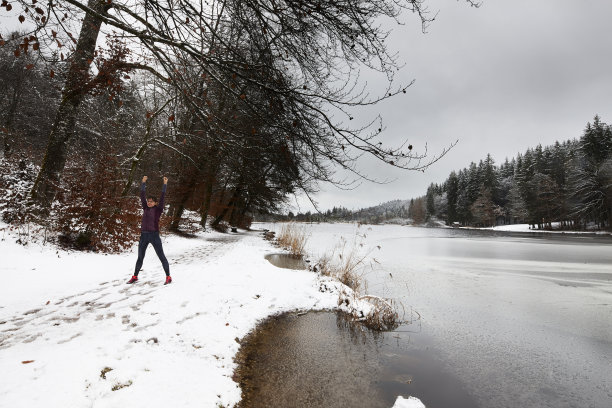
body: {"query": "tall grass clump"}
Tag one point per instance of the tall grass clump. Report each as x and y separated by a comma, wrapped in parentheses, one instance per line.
(384, 315)
(347, 264)
(292, 238)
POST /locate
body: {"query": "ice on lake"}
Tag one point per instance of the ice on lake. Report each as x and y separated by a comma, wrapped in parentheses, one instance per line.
(523, 319)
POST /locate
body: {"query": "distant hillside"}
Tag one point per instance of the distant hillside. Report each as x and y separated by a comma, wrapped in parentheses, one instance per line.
(395, 211)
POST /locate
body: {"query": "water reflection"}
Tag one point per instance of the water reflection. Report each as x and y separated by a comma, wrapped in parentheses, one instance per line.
(324, 360)
(287, 261)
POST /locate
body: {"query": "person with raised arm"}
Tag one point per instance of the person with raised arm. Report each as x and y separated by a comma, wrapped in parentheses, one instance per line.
(149, 229)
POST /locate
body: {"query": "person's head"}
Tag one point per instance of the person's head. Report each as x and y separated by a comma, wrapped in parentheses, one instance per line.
(151, 201)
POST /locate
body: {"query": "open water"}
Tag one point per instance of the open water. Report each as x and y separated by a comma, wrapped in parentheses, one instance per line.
(506, 320)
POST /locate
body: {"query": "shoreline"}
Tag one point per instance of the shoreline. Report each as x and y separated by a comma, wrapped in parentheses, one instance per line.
(68, 321)
(523, 228)
(349, 305)
(115, 344)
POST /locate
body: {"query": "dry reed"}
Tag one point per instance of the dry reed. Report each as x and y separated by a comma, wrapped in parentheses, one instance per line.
(346, 264)
(292, 238)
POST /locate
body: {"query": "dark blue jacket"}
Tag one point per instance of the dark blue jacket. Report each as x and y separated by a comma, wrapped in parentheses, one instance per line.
(150, 216)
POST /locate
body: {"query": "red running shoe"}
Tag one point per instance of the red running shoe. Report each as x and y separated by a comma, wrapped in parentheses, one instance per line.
(134, 279)
(168, 280)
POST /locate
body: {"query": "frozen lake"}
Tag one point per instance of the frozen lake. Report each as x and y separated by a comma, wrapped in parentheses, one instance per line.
(519, 319)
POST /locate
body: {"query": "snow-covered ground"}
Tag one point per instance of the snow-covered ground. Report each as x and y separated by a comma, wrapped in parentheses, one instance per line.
(410, 402)
(73, 334)
(555, 225)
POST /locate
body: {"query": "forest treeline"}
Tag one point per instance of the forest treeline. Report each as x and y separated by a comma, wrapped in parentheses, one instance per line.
(568, 183)
(239, 103)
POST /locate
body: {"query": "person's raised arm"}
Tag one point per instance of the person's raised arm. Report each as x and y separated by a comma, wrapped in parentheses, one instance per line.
(143, 192)
(163, 194)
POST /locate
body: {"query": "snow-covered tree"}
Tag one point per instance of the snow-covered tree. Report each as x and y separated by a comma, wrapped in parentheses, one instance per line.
(590, 179)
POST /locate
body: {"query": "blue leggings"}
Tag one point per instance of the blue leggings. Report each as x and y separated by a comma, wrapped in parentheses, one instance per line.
(152, 238)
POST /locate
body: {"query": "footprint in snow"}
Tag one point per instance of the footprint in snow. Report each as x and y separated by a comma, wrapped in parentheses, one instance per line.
(74, 336)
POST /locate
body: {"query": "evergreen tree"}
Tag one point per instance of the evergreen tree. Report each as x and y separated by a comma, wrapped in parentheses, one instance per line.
(539, 161)
(590, 181)
(547, 203)
(431, 209)
(525, 187)
(464, 214)
(473, 182)
(452, 187)
(483, 209)
(516, 208)
(596, 143)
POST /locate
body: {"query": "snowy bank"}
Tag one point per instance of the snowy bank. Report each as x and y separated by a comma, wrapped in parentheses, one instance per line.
(73, 334)
(556, 229)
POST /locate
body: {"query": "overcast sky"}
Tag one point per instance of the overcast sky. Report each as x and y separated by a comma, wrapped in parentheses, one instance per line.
(501, 78)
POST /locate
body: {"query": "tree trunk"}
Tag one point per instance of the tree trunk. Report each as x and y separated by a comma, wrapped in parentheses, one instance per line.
(206, 203)
(75, 89)
(230, 205)
(208, 192)
(177, 214)
(179, 205)
(8, 124)
(243, 212)
(233, 218)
